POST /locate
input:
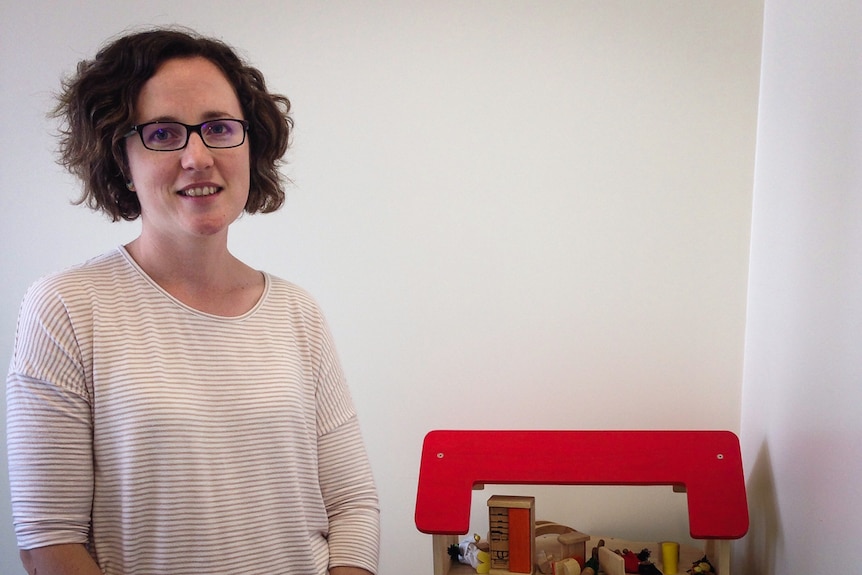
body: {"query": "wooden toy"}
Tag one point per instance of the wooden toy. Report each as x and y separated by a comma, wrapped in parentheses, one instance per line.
(706, 465)
(512, 524)
(566, 567)
(568, 542)
(610, 562)
(670, 557)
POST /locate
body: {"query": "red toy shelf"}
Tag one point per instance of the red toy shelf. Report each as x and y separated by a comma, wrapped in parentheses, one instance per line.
(707, 465)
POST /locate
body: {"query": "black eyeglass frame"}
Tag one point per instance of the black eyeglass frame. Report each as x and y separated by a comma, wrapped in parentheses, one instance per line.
(190, 129)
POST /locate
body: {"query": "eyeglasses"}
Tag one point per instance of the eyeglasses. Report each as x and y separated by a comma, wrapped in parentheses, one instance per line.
(172, 136)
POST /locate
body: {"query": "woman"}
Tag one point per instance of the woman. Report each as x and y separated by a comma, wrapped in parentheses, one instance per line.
(170, 409)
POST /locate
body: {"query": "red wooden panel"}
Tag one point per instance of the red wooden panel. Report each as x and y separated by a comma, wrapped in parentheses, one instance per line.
(707, 463)
(520, 542)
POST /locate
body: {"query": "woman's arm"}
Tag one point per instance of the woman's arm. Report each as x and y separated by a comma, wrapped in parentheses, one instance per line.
(349, 571)
(49, 438)
(351, 501)
(67, 559)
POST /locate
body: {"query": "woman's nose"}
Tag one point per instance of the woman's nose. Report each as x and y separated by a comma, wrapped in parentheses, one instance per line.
(196, 155)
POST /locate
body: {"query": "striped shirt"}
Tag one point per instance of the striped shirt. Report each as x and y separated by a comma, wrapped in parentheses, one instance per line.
(175, 442)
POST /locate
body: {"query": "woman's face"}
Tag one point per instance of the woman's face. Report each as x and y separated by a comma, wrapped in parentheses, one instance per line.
(195, 192)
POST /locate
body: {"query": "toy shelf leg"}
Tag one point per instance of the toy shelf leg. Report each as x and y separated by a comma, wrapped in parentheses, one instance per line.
(442, 561)
(718, 551)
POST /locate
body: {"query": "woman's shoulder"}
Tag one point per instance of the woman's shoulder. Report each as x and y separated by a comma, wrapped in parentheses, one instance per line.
(79, 278)
(283, 292)
(280, 287)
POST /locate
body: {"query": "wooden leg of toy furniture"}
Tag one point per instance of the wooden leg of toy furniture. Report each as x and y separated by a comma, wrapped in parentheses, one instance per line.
(442, 561)
(718, 551)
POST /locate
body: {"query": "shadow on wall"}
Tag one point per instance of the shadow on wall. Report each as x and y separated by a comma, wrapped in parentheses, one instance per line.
(756, 552)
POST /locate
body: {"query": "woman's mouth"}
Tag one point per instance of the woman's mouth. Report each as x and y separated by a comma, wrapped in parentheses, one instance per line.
(199, 191)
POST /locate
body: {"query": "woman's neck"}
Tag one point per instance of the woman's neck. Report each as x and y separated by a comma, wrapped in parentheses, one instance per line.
(204, 275)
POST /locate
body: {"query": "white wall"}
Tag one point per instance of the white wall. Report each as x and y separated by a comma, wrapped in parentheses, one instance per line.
(540, 210)
(801, 424)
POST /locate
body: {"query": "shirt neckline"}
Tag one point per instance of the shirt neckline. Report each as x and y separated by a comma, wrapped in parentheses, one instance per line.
(263, 296)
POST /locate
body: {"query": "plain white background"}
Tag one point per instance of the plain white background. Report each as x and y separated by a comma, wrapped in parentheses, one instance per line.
(515, 215)
(801, 428)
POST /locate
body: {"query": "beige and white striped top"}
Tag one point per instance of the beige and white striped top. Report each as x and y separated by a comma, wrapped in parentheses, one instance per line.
(176, 442)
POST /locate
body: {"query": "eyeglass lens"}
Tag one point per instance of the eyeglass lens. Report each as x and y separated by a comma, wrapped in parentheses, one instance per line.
(167, 136)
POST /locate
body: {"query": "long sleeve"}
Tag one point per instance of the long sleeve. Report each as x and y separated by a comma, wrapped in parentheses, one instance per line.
(350, 497)
(48, 429)
(344, 473)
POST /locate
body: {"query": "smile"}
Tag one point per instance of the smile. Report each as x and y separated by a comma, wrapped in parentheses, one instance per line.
(199, 192)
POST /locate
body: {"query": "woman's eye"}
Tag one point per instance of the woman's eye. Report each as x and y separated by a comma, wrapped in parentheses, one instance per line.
(218, 129)
(164, 135)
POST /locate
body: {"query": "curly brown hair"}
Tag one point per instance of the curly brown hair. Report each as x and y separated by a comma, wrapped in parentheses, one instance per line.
(97, 109)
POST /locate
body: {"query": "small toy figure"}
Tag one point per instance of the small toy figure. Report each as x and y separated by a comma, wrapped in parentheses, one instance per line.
(702, 567)
(468, 553)
(646, 566)
(591, 567)
(632, 562)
